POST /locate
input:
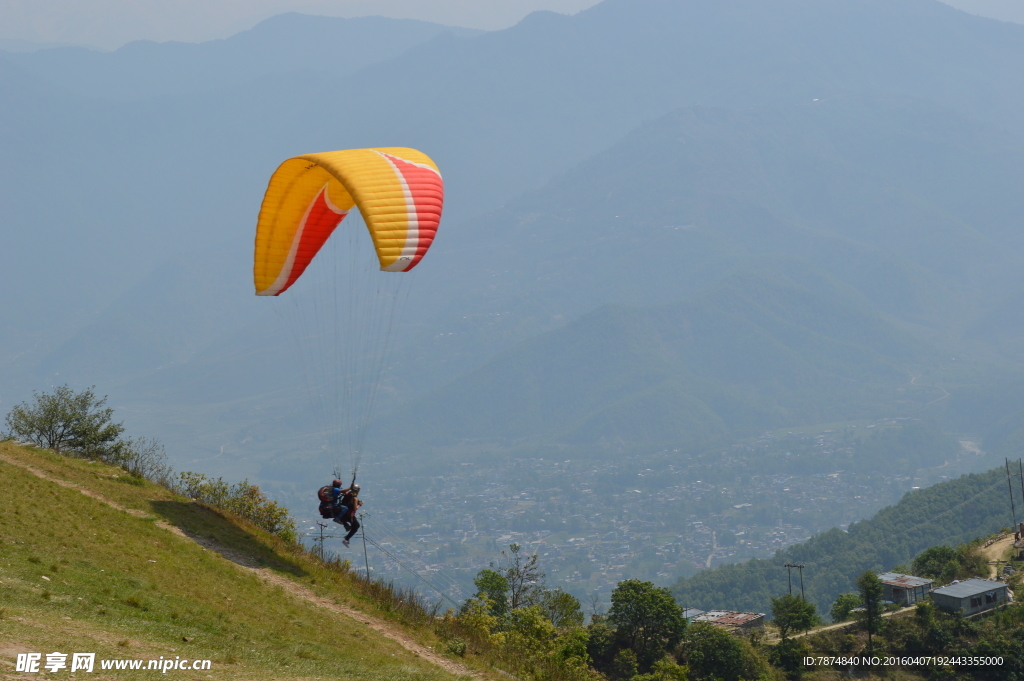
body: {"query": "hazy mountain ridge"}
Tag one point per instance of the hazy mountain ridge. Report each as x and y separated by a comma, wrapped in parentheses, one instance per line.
(557, 88)
(676, 208)
(757, 351)
(687, 199)
(280, 45)
(502, 113)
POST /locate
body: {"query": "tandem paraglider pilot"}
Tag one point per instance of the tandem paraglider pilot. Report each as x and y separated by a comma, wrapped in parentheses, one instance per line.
(341, 505)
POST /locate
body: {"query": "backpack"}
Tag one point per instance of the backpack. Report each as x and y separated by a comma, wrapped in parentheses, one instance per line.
(326, 507)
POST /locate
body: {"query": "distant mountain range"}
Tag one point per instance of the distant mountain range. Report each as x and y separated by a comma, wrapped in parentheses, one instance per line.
(759, 350)
(746, 213)
(323, 47)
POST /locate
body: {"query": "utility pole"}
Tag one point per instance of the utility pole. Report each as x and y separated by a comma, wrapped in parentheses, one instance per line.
(790, 566)
(320, 540)
(1009, 486)
(1020, 466)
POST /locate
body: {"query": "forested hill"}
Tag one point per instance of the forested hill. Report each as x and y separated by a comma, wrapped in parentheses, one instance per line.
(949, 513)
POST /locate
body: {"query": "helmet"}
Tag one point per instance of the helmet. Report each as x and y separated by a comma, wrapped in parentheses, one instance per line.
(337, 483)
(355, 489)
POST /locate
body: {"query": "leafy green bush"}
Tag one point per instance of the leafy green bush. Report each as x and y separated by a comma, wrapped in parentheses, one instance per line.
(841, 607)
(455, 646)
(711, 653)
(143, 458)
(242, 499)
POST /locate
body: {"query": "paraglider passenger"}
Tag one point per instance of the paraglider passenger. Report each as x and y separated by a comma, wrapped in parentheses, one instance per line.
(351, 502)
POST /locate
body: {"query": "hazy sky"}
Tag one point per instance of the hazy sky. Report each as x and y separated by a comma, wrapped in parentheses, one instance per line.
(111, 23)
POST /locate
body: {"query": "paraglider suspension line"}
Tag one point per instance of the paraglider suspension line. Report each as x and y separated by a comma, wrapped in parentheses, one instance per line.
(362, 531)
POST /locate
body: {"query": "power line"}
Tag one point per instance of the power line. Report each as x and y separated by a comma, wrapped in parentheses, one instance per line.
(392, 536)
(410, 570)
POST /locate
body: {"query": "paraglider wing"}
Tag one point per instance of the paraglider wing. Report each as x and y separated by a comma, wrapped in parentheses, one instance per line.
(399, 192)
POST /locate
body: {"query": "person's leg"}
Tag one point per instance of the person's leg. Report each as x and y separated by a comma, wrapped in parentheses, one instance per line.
(351, 533)
(339, 515)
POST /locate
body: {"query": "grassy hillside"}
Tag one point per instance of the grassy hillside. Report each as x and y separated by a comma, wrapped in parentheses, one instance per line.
(949, 513)
(79, 575)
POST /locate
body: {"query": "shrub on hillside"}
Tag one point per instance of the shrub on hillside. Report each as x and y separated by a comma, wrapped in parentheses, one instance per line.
(242, 499)
(142, 457)
(844, 603)
(517, 622)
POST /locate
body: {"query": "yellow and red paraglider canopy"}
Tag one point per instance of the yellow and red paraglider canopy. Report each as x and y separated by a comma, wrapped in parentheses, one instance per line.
(399, 192)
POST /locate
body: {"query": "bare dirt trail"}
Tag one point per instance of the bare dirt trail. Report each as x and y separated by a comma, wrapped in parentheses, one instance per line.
(714, 548)
(996, 552)
(248, 564)
(841, 625)
(946, 393)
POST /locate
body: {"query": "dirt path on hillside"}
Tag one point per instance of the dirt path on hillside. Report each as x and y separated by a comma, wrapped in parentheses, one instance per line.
(996, 552)
(246, 563)
(714, 548)
(841, 625)
(946, 393)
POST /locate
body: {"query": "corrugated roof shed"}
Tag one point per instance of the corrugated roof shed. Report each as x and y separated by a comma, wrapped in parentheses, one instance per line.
(969, 587)
(903, 581)
(729, 618)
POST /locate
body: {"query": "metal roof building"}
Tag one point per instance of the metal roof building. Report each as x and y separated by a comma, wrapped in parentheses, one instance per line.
(970, 596)
(905, 589)
(732, 619)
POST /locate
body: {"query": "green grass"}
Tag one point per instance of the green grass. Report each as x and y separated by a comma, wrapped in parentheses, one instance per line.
(77, 575)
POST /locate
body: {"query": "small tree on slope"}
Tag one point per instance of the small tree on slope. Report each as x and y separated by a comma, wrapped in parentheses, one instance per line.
(67, 420)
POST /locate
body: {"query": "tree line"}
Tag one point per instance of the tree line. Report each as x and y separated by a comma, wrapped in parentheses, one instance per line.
(519, 624)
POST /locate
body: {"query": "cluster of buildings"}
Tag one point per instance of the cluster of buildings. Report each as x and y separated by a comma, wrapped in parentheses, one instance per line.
(596, 521)
(968, 597)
